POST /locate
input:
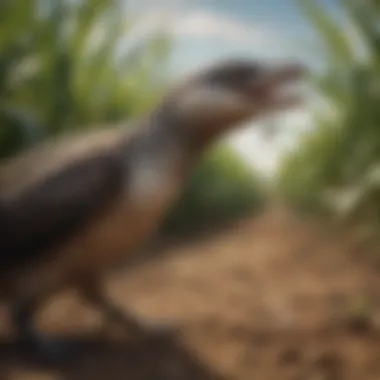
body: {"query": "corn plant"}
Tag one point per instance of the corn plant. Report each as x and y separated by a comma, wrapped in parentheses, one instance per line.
(62, 67)
(342, 151)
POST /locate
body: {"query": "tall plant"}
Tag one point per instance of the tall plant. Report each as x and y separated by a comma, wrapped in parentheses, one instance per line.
(343, 151)
(63, 66)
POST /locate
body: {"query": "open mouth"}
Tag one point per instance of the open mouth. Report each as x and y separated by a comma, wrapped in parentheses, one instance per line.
(278, 87)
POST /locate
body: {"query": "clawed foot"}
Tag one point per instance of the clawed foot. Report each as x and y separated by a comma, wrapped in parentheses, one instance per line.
(49, 350)
(131, 323)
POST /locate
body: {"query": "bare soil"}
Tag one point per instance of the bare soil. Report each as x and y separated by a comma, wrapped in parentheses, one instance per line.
(272, 298)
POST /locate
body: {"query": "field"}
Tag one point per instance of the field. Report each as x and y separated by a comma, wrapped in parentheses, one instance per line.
(272, 298)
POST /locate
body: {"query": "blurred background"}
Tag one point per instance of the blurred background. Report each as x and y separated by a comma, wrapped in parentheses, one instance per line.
(274, 269)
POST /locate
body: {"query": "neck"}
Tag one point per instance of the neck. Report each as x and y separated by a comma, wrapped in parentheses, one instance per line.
(171, 136)
(162, 156)
(193, 133)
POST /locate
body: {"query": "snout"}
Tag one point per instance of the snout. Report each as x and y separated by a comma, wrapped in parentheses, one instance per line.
(277, 87)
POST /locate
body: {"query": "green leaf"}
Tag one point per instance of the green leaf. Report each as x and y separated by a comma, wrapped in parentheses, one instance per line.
(336, 41)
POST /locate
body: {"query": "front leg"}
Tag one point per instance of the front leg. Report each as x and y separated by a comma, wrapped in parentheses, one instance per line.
(93, 291)
(37, 344)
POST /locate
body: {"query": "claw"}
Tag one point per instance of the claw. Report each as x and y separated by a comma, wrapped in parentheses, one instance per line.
(49, 350)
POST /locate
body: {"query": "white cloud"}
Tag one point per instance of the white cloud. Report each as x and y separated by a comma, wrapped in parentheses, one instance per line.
(206, 24)
(264, 153)
(144, 6)
(201, 24)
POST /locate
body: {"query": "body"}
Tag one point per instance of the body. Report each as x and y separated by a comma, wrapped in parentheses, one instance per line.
(71, 210)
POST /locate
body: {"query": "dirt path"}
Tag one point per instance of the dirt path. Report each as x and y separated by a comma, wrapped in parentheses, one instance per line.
(265, 301)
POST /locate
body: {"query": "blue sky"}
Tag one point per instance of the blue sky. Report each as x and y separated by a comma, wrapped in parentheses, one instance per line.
(269, 29)
(208, 30)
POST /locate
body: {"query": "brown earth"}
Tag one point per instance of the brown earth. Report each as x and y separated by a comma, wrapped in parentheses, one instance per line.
(270, 299)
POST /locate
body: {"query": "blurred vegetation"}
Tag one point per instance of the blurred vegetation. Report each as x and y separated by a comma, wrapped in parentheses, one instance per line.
(335, 168)
(58, 68)
(221, 189)
(69, 65)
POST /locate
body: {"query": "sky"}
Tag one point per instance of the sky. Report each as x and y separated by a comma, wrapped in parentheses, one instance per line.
(207, 30)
